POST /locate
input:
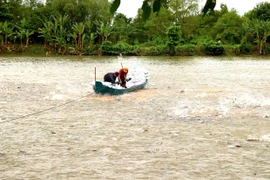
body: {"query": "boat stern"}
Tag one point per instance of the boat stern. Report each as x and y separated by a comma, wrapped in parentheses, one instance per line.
(99, 87)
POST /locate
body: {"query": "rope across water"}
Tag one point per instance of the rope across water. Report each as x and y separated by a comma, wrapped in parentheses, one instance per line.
(42, 111)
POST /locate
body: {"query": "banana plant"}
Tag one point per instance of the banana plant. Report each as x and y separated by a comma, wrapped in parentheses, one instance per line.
(46, 32)
(60, 40)
(59, 23)
(23, 24)
(27, 33)
(104, 30)
(6, 30)
(74, 38)
(78, 28)
(60, 32)
(24, 31)
(266, 34)
(20, 35)
(261, 29)
(61, 20)
(14, 37)
(92, 38)
(88, 26)
(83, 39)
(1, 34)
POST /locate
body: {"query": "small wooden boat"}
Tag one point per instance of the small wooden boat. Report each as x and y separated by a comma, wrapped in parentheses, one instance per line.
(139, 79)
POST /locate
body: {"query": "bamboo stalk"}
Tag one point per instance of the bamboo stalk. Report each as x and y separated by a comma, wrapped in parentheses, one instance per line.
(95, 74)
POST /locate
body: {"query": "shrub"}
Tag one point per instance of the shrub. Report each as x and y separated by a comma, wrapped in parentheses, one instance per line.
(155, 50)
(245, 48)
(91, 50)
(121, 47)
(185, 50)
(106, 48)
(267, 49)
(215, 49)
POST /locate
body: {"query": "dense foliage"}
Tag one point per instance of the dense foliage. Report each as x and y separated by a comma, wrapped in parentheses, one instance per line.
(93, 27)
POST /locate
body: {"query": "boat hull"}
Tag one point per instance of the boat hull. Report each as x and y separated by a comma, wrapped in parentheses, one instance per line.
(101, 88)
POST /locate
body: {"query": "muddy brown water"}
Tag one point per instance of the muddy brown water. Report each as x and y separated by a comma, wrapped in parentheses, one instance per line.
(198, 118)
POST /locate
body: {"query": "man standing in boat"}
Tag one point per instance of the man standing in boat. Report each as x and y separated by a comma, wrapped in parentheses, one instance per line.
(111, 77)
(122, 77)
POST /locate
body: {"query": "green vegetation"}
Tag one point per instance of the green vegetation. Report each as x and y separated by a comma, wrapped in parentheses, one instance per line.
(161, 27)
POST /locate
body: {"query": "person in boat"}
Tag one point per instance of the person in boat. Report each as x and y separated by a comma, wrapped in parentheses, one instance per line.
(122, 77)
(111, 77)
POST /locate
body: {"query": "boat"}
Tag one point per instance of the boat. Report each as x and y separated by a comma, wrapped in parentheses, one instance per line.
(138, 80)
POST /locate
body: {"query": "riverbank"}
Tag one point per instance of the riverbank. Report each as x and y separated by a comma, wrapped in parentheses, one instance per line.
(128, 50)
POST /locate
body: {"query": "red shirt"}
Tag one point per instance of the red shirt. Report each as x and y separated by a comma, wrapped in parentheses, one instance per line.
(122, 74)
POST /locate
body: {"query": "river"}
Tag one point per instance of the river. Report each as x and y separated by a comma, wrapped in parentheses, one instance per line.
(197, 118)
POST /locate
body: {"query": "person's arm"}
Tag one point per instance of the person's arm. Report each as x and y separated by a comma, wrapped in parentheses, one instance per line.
(119, 79)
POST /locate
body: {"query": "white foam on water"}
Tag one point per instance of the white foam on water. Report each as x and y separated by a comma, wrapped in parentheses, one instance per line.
(54, 96)
(265, 138)
(57, 97)
(243, 100)
(266, 101)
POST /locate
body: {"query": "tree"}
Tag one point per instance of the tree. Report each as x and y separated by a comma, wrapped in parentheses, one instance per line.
(209, 6)
(155, 5)
(261, 29)
(157, 24)
(183, 13)
(261, 12)
(203, 26)
(121, 26)
(147, 7)
(138, 33)
(174, 36)
(228, 28)
(182, 9)
(99, 10)
(5, 14)
(15, 8)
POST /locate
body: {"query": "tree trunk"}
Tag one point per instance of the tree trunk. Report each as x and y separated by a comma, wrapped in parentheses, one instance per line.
(79, 40)
(261, 47)
(27, 41)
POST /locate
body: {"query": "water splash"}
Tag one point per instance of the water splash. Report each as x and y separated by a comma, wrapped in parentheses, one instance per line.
(263, 138)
